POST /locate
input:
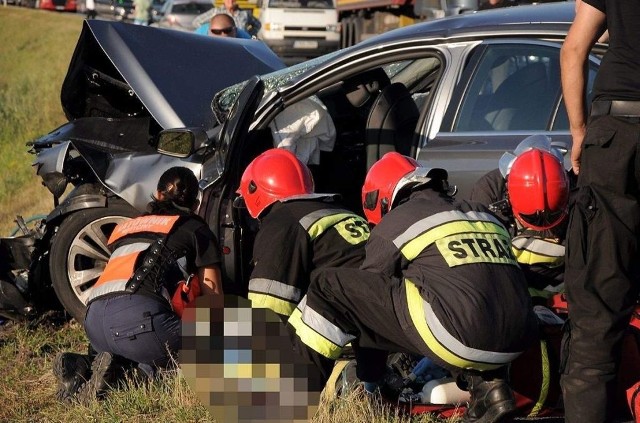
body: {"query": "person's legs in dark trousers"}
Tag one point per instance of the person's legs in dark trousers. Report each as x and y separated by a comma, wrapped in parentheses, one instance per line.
(138, 328)
(602, 266)
(127, 331)
(359, 304)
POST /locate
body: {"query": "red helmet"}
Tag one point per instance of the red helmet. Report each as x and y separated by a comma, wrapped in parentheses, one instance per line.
(274, 175)
(387, 177)
(538, 189)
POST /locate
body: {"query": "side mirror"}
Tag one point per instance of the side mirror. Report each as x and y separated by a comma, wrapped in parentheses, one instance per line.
(180, 142)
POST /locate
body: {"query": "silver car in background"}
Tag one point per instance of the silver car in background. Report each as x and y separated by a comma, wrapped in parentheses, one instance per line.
(179, 14)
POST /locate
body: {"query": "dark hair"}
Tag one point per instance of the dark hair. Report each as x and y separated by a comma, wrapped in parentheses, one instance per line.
(179, 186)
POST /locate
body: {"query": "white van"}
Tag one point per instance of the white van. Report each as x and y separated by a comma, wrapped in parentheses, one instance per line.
(299, 28)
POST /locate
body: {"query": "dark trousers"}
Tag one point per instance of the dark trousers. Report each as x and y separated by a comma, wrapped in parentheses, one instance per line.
(370, 307)
(136, 327)
(602, 265)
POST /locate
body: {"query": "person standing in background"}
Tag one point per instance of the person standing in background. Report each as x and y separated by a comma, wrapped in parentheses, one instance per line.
(602, 277)
(141, 12)
(222, 25)
(493, 4)
(90, 6)
(244, 19)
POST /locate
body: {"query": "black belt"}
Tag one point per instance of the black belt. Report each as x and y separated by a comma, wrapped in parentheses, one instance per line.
(615, 108)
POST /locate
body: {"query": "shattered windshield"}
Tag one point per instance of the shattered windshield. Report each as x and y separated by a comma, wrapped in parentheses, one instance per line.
(224, 99)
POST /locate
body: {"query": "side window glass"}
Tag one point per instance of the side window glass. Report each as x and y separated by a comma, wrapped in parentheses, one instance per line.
(561, 122)
(515, 87)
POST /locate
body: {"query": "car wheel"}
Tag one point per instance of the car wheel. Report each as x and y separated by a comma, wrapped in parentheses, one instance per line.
(79, 253)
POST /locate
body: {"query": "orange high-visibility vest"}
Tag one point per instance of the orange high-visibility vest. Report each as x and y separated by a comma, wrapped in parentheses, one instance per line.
(121, 265)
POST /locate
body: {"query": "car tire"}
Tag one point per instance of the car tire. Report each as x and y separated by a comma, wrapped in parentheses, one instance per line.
(79, 253)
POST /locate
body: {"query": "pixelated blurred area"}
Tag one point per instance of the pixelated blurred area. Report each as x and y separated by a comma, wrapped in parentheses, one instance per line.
(241, 365)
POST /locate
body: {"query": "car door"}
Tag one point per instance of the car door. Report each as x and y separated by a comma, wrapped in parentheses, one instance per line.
(507, 91)
(221, 177)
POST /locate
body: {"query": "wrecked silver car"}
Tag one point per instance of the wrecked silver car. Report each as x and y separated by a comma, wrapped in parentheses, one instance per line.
(455, 93)
(125, 84)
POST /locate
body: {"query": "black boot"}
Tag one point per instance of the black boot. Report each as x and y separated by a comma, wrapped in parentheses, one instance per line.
(105, 373)
(72, 371)
(492, 399)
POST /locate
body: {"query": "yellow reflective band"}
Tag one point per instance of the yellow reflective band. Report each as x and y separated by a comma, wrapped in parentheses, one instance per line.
(529, 257)
(321, 225)
(313, 339)
(267, 301)
(546, 378)
(354, 230)
(414, 301)
(475, 248)
(413, 248)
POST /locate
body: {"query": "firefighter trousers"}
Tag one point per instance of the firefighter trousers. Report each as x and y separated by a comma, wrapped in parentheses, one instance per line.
(372, 312)
(602, 266)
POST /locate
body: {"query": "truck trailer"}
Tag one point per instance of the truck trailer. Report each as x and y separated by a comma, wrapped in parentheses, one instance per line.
(360, 19)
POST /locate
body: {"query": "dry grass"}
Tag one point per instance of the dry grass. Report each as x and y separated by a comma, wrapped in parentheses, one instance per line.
(27, 387)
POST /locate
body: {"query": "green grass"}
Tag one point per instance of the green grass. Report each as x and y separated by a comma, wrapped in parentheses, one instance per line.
(35, 52)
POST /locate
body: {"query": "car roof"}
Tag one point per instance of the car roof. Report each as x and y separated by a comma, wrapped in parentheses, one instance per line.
(539, 17)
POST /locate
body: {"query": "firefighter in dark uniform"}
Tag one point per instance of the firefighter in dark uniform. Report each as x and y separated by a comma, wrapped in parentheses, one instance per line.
(130, 320)
(530, 194)
(439, 279)
(299, 231)
(603, 248)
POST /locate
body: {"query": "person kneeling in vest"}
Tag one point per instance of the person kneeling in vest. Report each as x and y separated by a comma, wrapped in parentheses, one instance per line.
(300, 231)
(439, 279)
(130, 321)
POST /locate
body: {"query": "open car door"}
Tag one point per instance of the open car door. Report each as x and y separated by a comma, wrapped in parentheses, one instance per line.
(221, 179)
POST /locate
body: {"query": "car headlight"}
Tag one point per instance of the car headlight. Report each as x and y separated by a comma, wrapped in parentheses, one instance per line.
(333, 28)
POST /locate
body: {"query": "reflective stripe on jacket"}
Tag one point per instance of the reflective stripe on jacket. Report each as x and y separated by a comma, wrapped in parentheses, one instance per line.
(459, 260)
(295, 238)
(542, 259)
(444, 344)
(122, 263)
(538, 251)
(317, 332)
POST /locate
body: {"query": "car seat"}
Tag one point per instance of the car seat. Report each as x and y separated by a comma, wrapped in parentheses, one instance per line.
(391, 123)
(517, 102)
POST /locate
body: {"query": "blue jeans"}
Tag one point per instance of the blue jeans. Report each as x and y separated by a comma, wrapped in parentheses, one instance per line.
(136, 327)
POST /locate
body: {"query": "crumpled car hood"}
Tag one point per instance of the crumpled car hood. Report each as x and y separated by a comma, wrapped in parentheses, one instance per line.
(125, 70)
